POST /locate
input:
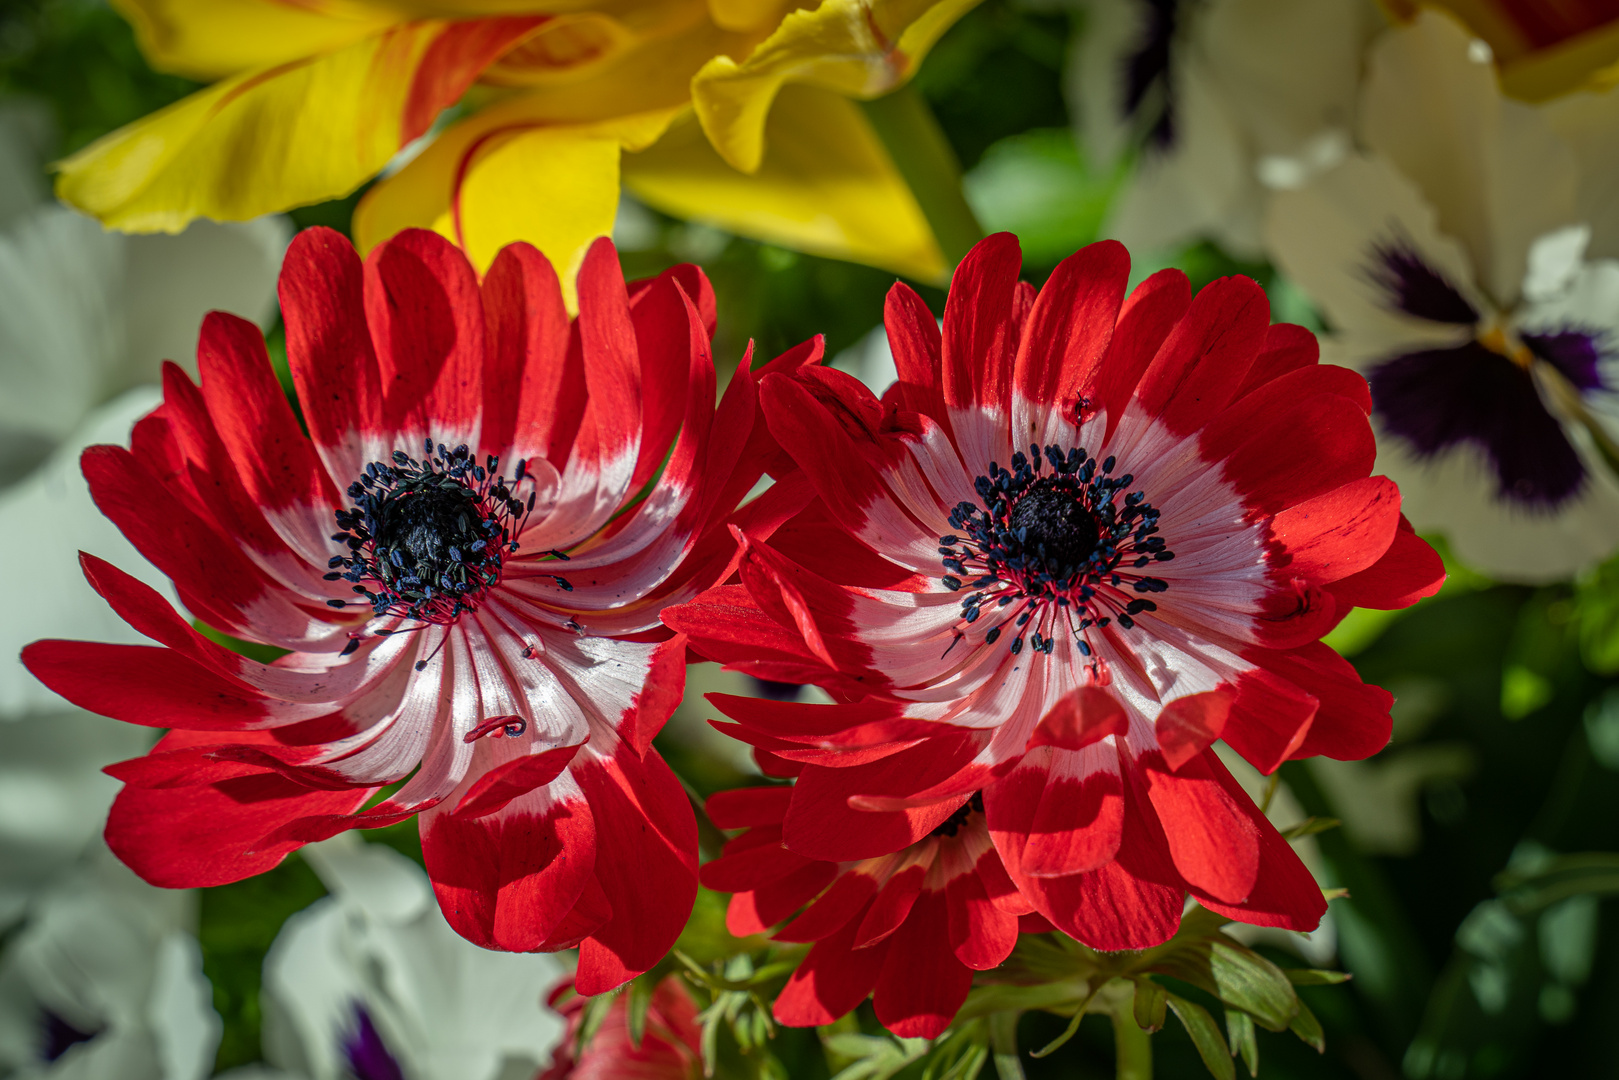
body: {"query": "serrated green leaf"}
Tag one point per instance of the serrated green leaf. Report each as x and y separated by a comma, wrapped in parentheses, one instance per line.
(1315, 977)
(1239, 1028)
(1230, 971)
(1308, 1028)
(1253, 984)
(595, 1013)
(850, 1045)
(1211, 1045)
(640, 1001)
(1150, 1003)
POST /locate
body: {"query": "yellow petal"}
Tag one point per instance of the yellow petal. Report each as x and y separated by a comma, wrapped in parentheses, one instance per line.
(207, 39)
(826, 186)
(300, 133)
(1575, 47)
(587, 67)
(744, 14)
(1587, 62)
(862, 48)
(503, 176)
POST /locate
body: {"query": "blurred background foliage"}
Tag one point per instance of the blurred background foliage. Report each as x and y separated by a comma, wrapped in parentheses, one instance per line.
(1475, 930)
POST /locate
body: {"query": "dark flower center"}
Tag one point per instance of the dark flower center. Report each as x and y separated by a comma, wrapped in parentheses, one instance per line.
(952, 824)
(1053, 521)
(1050, 547)
(427, 538)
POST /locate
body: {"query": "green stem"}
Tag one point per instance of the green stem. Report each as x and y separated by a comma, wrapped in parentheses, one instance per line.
(1376, 938)
(1132, 1047)
(923, 156)
(1003, 1043)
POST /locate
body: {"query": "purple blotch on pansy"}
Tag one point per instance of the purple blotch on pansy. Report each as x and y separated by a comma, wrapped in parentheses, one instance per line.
(60, 1036)
(1414, 287)
(1576, 354)
(1148, 67)
(1436, 399)
(365, 1052)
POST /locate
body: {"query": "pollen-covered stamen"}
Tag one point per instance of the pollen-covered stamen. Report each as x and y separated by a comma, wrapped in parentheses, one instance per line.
(1053, 547)
(497, 727)
(427, 538)
(952, 824)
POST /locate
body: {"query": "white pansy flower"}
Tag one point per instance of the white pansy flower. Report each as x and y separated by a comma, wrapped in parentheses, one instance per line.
(371, 983)
(1465, 260)
(104, 982)
(86, 319)
(1228, 100)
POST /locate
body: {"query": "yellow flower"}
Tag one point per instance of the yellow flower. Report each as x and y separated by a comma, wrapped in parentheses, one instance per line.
(1543, 48)
(738, 112)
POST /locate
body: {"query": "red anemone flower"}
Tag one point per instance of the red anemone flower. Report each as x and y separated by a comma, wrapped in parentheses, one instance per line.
(455, 561)
(908, 928)
(670, 1047)
(1115, 531)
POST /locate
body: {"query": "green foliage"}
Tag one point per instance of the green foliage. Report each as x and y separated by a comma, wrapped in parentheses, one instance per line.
(81, 59)
(1596, 612)
(237, 924)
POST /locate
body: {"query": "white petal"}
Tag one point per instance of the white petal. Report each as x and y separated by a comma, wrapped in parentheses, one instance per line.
(45, 521)
(173, 281)
(1455, 494)
(446, 1009)
(184, 1025)
(1290, 69)
(103, 950)
(1554, 260)
(1199, 184)
(384, 884)
(61, 328)
(26, 134)
(1493, 168)
(1094, 76)
(1589, 123)
(1324, 236)
(53, 794)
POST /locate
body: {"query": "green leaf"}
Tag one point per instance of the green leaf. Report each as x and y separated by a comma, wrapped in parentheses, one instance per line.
(1211, 1045)
(1594, 873)
(1150, 1002)
(1003, 1040)
(876, 1058)
(1315, 977)
(1061, 1040)
(1238, 976)
(1310, 826)
(1239, 1028)
(595, 1014)
(1308, 1028)
(640, 1001)
(1596, 612)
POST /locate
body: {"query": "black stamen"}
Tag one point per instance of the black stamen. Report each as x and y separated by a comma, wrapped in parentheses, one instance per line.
(952, 824)
(427, 537)
(1053, 542)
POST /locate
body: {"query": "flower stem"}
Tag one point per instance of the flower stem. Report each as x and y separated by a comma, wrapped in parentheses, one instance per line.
(1132, 1047)
(924, 158)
